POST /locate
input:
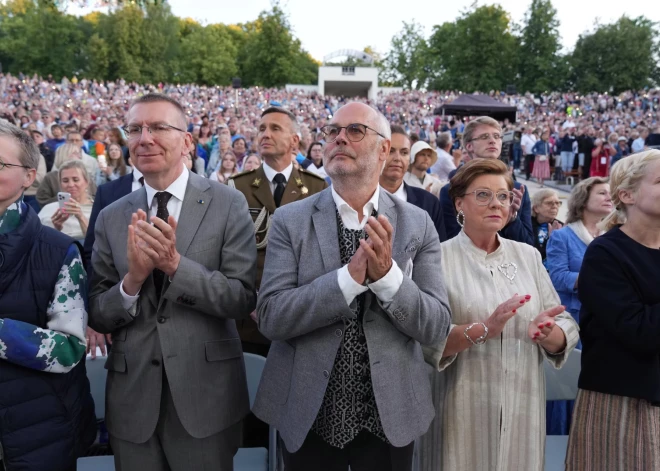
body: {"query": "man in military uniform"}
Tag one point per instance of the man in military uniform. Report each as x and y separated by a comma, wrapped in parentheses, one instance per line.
(275, 183)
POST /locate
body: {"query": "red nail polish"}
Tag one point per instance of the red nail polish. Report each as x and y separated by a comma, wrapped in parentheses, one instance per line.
(548, 324)
(527, 296)
(513, 311)
(540, 326)
(522, 301)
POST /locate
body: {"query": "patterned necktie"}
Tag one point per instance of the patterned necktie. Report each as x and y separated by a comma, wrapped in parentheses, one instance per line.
(162, 197)
(279, 190)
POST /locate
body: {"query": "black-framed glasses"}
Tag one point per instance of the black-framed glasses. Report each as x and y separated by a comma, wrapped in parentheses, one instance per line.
(134, 131)
(355, 132)
(3, 165)
(484, 196)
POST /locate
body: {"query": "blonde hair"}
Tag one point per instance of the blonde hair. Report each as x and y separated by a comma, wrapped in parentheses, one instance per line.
(539, 197)
(63, 154)
(627, 174)
(480, 121)
(579, 197)
(74, 164)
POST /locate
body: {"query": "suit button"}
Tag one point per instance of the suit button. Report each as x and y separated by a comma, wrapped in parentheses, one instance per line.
(326, 374)
(155, 362)
(161, 320)
(338, 332)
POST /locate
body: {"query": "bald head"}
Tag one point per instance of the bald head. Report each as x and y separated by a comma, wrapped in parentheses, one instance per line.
(356, 112)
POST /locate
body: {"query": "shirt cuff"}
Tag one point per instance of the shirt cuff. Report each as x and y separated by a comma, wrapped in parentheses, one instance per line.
(128, 302)
(387, 286)
(348, 286)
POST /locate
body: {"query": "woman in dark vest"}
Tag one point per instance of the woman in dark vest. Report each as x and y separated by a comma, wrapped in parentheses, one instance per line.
(46, 411)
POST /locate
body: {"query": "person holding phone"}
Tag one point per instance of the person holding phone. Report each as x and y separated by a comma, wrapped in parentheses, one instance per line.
(70, 214)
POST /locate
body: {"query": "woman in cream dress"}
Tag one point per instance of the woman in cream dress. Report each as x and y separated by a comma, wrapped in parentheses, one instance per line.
(506, 320)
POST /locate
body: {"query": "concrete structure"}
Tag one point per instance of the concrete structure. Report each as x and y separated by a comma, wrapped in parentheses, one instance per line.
(348, 81)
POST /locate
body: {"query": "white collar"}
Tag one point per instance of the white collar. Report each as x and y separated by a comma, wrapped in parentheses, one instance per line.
(401, 192)
(177, 188)
(271, 172)
(136, 174)
(371, 205)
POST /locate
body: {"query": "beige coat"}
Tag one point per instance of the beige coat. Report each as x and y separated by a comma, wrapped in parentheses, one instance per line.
(490, 399)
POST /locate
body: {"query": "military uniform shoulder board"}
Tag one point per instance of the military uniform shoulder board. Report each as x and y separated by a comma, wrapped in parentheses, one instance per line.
(311, 174)
(246, 172)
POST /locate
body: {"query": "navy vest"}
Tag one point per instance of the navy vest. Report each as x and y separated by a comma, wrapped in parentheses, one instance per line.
(46, 419)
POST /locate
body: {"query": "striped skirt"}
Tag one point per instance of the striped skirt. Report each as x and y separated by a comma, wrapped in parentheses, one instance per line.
(613, 433)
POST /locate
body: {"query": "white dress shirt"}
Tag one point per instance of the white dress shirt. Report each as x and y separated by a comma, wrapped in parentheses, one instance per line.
(136, 185)
(177, 189)
(527, 142)
(401, 193)
(271, 172)
(388, 285)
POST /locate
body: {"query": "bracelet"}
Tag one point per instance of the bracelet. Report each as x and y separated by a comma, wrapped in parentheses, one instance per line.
(480, 340)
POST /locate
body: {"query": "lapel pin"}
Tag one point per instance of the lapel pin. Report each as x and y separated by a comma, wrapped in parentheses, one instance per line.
(299, 182)
(256, 182)
(200, 201)
(304, 190)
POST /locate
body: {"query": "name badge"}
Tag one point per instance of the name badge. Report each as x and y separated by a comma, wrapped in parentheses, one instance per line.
(603, 160)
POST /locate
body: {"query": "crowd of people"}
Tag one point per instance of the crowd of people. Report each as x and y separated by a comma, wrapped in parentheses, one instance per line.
(351, 243)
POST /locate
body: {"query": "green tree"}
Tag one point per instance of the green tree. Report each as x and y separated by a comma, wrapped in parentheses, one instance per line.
(406, 64)
(208, 56)
(36, 37)
(271, 56)
(475, 53)
(539, 61)
(617, 57)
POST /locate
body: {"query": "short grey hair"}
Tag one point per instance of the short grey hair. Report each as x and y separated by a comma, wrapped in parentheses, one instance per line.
(444, 139)
(29, 154)
(540, 196)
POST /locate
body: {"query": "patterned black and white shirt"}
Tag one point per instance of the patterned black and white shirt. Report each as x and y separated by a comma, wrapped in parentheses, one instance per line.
(349, 405)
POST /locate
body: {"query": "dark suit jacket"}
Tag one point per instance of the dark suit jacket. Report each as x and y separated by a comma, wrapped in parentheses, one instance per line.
(520, 229)
(429, 203)
(106, 194)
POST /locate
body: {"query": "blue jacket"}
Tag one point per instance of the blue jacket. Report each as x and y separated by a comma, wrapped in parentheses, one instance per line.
(429, 203)
(46, 419)
(565, 144)
(106, 194)
(565, 251)
(520, 229)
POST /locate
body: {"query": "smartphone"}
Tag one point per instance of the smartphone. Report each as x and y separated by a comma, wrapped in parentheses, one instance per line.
(103, 163)
(62, 198)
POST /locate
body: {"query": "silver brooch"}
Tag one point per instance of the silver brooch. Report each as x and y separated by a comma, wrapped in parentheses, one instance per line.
(510, 270)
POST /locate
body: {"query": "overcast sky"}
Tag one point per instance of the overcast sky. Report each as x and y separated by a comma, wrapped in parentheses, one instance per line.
(329, 25)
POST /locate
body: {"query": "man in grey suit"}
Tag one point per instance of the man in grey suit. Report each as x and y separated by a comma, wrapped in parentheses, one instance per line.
(351, 288)
(169, 294)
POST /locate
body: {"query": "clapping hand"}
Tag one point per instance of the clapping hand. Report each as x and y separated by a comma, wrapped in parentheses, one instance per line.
(503, 313)
(541, 327)
(140, 264)
(516, 203)
(158, 242)
(379, 247)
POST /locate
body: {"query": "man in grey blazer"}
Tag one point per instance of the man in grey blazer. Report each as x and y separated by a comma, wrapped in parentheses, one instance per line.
(351, 288)
(169, 293)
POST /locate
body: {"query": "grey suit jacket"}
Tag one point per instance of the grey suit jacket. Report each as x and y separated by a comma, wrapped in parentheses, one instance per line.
(191, 332)
(302, 309)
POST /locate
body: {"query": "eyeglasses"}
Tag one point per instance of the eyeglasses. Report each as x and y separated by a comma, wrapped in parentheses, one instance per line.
(134, 131)
(486, 137)
(551, 204)
(355, 132)
(485, 196)
(3, 165)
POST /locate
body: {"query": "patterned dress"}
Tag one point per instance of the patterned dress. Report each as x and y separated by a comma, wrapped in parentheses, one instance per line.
(60, 346)
(349, 405)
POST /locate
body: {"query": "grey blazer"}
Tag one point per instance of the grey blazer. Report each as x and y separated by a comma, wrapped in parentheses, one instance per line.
(302, 310)
(191, 332)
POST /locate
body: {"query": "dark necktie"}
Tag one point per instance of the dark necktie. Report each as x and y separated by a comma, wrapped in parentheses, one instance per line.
(141, 180)
(279, 190)
(162, 197)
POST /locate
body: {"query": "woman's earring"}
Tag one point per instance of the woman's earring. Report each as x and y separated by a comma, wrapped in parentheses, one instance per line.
(460, 218)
